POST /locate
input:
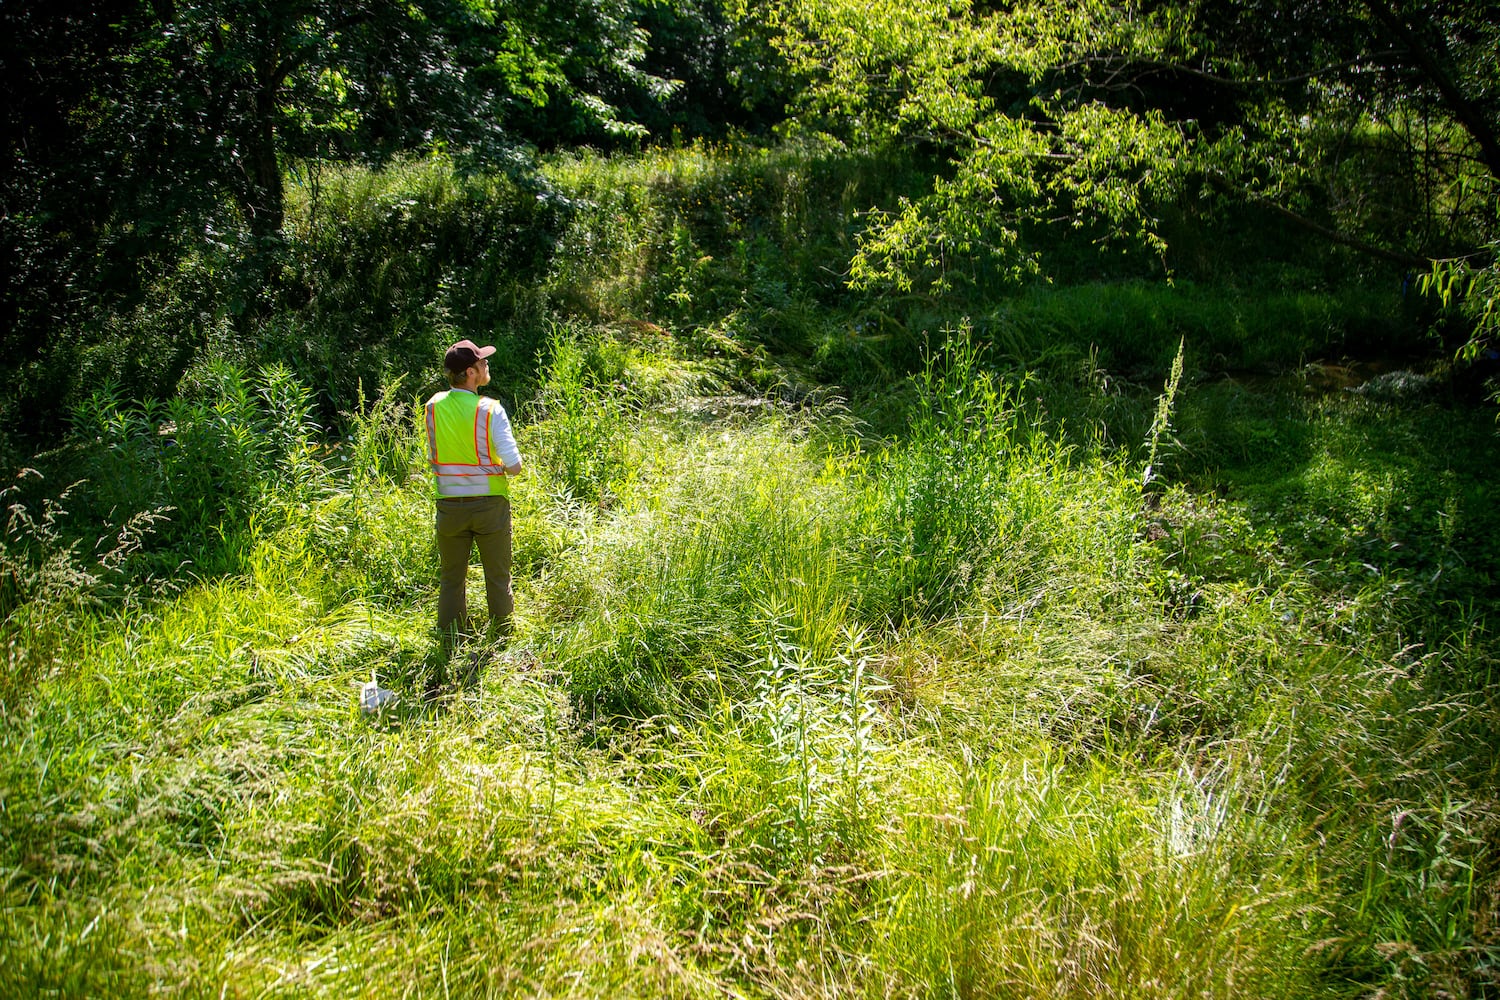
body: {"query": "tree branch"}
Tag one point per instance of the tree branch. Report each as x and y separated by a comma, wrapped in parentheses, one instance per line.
(1467, 113)
(1117, 64)
(1332, 235)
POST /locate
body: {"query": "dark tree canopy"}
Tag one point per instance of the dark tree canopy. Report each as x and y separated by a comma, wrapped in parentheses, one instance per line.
(182, 100)
(140, 131)
(135, 130)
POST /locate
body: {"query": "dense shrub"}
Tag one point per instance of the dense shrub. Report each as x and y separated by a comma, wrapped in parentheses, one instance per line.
(208, 460)
(390, 267)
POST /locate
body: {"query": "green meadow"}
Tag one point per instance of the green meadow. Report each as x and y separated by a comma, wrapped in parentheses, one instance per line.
(1104, 638)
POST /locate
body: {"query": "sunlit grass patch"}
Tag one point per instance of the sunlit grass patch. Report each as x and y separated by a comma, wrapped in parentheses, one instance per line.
(1022, 877)
(1134, 325)
(670, 588)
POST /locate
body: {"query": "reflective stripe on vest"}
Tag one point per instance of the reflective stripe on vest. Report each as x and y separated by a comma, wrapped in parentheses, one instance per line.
(459, 449)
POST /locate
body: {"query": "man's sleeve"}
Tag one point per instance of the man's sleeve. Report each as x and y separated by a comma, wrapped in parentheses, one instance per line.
(501, 438)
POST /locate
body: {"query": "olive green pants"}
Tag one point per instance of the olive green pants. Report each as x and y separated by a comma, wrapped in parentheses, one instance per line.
(463, 523)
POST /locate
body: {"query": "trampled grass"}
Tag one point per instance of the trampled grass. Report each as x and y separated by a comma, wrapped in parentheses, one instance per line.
(789, 712)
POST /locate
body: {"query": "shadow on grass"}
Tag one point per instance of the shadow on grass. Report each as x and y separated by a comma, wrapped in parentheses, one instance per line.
(1356, 486)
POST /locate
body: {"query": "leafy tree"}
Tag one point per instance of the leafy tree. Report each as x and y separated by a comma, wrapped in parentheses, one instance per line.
(141, 129)
(1371, 123)
(220, 93)
(731, 77)
(59, 187)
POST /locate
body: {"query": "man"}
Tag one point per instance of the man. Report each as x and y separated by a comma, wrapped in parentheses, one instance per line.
(472, 451)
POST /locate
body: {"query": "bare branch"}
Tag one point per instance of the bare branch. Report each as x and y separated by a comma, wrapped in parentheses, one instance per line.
(1118, 65)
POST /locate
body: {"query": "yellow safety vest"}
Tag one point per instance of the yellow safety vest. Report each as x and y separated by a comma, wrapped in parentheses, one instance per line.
(463, 458)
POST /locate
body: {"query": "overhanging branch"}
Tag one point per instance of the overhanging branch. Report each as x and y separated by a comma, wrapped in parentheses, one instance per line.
(1116, 66)
(1328, 233)
(1431, 65)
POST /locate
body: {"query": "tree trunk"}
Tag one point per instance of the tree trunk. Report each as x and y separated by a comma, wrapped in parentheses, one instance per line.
(263, 198)
(1433, 65)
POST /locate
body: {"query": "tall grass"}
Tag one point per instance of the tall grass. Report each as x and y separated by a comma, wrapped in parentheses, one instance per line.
(734, 746)
(794, 706)
(1138, 326)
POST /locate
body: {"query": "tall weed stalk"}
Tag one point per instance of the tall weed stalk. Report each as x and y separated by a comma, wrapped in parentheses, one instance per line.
(944, 484)
(585, 436)
(1161, 423)
(819, 721)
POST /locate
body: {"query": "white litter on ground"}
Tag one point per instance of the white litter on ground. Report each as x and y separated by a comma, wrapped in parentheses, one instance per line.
(373, 697)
